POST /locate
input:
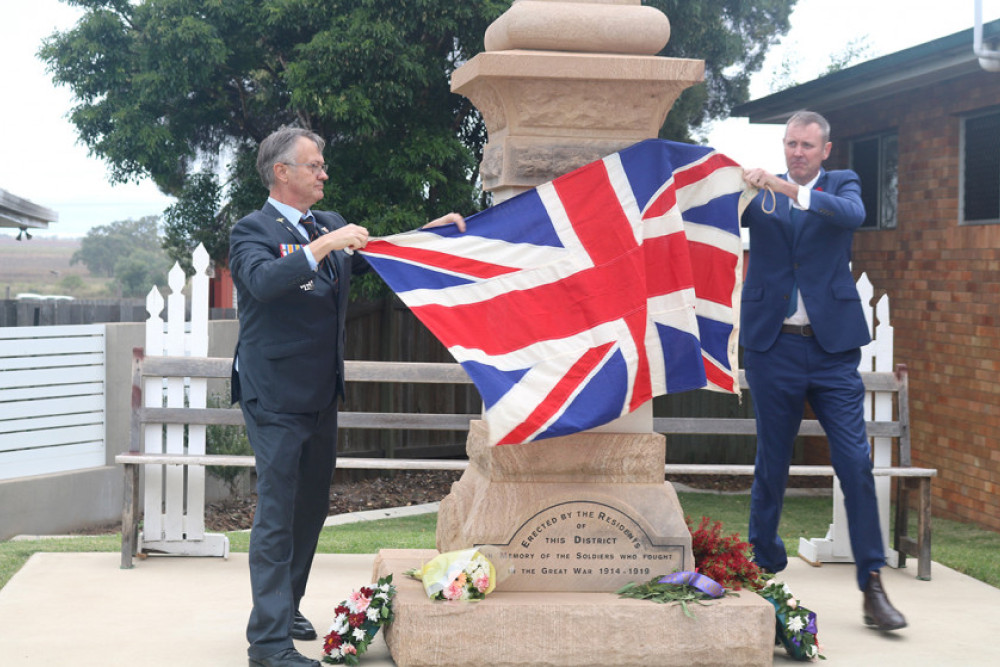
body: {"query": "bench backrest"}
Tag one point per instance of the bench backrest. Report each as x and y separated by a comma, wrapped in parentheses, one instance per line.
(894, 384)
(219, 368)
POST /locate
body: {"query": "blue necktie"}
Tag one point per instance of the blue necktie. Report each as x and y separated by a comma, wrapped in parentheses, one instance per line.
(794, 215)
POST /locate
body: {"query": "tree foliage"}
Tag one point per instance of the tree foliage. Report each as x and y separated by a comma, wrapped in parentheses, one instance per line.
(129, 251)
(183, 91)
(732, 37)
(178, 89)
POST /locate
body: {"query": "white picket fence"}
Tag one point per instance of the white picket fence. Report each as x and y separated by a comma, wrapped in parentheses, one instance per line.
(52, 406)
(835, 547)
(174, 500)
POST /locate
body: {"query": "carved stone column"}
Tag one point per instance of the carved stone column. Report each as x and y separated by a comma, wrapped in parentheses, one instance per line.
(567, 521)
(563, 83)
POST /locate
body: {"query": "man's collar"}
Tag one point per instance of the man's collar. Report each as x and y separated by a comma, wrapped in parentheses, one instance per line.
(290, 213)
(811, 184)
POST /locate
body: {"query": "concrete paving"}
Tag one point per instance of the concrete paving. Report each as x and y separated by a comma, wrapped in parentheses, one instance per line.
(81, 609)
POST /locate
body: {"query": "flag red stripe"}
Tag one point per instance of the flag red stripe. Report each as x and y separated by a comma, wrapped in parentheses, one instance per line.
(586, 299)
(439, 260)
(595, 210)
(668, 198)
(556, 398)
(668, 265)
(719, 377)
(714, 272)
(703, 170)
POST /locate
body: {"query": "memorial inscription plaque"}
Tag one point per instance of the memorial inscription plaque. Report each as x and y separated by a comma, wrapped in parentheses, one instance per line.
(581, 546)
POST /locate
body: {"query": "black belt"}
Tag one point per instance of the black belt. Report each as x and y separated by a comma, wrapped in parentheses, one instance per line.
(799, 330)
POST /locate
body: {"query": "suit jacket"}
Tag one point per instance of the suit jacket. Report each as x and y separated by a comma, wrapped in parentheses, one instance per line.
(815, 253)
(291, 340)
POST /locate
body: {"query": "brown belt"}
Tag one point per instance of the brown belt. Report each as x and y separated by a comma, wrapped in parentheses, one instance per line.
(799, 330)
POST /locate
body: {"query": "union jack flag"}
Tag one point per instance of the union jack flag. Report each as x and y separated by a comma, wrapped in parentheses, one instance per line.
(573, 304)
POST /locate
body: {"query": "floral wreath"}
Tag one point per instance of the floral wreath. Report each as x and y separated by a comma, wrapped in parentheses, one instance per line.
(724, 564)
(357, 620)
(795, 626)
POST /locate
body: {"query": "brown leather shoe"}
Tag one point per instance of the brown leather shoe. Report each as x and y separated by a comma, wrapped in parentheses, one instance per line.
(879, 612)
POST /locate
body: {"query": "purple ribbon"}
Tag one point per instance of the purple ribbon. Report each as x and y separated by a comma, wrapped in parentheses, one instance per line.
(709, 587)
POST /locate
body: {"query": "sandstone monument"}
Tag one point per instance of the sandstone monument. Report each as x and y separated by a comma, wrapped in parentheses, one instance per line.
(569, 520)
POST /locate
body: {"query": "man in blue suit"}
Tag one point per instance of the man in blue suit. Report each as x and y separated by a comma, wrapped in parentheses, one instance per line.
(292, 269)
(802, 327)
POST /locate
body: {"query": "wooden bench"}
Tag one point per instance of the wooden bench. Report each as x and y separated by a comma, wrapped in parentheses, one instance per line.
(219, 368)
(364, 371)
(909, 478)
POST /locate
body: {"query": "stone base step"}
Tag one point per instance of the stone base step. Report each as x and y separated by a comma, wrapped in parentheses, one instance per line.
(571, 629)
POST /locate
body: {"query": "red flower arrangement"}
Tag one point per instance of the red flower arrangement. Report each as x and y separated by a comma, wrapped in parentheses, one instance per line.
(726, 559)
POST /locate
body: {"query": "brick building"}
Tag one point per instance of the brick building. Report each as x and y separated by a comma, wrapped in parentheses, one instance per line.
(922, 129)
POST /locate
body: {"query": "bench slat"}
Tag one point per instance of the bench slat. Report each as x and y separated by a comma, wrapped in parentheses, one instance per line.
(133, 458)
(709, 426)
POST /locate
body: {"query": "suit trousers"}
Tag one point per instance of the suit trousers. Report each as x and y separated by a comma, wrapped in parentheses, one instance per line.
(795, 370)
(295, 457)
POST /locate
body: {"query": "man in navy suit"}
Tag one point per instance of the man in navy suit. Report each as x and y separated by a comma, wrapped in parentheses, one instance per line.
(802, 327)
(291, 268)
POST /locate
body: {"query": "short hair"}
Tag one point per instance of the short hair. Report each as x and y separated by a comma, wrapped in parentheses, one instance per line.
(279, 146)
(805, 117)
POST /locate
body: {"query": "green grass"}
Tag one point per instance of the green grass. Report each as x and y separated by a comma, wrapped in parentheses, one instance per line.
(961, 547)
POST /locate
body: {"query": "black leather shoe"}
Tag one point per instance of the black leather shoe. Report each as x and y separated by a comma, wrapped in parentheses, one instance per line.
(879, 612)
(302, 629)
(287, 658)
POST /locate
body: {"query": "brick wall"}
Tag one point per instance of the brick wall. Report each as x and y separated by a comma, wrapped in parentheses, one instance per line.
(943, 282)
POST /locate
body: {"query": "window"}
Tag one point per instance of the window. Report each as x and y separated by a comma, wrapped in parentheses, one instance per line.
(980, 197)
(876, 161)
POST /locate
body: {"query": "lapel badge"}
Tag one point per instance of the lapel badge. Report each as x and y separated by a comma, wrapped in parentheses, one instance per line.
(307, 287)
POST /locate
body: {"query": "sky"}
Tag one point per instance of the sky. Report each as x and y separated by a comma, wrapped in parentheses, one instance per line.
(41, 159)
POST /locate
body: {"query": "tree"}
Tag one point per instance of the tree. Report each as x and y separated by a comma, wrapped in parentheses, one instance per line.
(184, 90)
(732, 37)
(140, 271)
(104, 245)
(786, 74)
(127, 250)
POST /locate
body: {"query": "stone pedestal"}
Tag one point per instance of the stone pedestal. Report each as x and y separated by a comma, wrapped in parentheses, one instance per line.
(584, 512)
(567, 521)
(562, 84)
(571, 629)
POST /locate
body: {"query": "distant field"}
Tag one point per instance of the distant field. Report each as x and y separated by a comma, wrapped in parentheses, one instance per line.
(42, 266)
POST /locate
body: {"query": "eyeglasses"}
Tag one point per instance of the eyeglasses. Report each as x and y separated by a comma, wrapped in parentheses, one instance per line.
(315, 167)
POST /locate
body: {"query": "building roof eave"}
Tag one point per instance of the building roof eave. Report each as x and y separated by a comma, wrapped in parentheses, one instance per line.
(20, 213)
(939, 60)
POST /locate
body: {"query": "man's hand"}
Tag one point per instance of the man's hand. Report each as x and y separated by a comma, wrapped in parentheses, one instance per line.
(759, 178)
(350, 237)
(447, 219)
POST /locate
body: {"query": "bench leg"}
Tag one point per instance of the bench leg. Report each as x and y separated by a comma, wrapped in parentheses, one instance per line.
(130, 527)
(924, 530)
(901, 531)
